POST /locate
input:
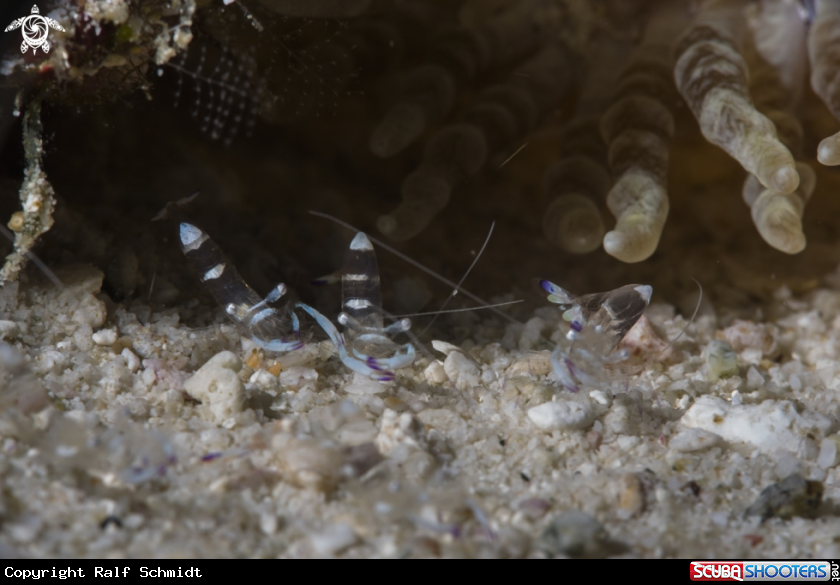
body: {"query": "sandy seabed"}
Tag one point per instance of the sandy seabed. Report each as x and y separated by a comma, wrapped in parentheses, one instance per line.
(128, 434)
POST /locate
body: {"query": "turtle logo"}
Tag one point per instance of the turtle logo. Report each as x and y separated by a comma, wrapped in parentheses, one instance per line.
(35, 29)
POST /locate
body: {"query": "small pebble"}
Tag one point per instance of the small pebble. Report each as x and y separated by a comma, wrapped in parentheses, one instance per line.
(828, 452)
(444, 347)
(594, 438)
(435, 374)
(25, 529)
(531, 333)
(793, 496)
(307, 462)
(362, 458)
(91, 312)
(461, 370)
(771, 425)
(268, 523)
(631, 497)
(395, 403)
(83, 338)
(563, 414)
(364, 385)
(132, 362)
(537, 363)
(745, 335)
(264, 381)
(105, 336)
(148, 376)
(691, 440)
(356, 432)
(451, 424)
(574, 534)
(754, 379)
(399, 429)
(217, 385)
(9, 330)
(333, 540)
(297, 376)
(534, 508)
(599, 397)
(721, 359)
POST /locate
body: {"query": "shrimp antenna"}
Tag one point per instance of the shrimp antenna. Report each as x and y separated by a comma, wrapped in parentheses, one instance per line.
(463, 278)
(459, 310)
(417, 265)
(690, 321)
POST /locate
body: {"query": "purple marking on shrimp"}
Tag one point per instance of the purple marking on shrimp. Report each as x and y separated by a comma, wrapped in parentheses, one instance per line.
(373, 364)
(577, 326)
(210, 457)
(571, 367)
(387, 378)
(546, 286)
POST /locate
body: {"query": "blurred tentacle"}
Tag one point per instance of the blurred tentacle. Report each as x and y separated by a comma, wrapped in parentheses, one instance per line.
(500, 115)
(459, 54)
(712, 76)
(824, 50)
(778, 216)
(638, 129)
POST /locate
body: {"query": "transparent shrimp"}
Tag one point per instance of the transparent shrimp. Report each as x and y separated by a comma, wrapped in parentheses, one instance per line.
(597, 324)
(273, 329)
(365, 346)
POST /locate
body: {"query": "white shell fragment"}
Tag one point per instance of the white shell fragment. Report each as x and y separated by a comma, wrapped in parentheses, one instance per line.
(399, 429)
(691, 440)
(105, 336)
(9, 330)
(561, 415)
(217, 385)
(444, 347)
(333, 540)
(297, 376)
(537, 363)
(306, 462)
(461, 370)
(365, 385)
(771, 425)
(829, 451)
(435, 374)
(132, 362)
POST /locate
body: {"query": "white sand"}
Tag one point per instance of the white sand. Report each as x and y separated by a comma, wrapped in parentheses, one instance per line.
(474, 455)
